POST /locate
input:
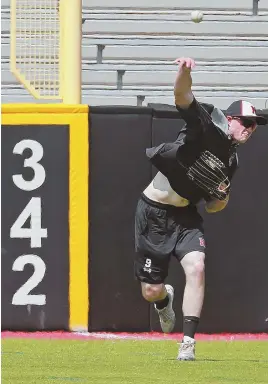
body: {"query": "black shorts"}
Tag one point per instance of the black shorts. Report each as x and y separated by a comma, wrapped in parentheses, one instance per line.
(162, 231)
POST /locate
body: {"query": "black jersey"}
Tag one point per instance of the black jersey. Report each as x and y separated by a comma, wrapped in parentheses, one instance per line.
(205, 129)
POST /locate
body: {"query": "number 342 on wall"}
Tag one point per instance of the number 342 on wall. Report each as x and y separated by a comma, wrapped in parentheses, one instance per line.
(35, 232)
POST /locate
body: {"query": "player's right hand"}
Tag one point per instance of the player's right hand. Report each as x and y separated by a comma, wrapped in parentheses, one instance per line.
(185, 62)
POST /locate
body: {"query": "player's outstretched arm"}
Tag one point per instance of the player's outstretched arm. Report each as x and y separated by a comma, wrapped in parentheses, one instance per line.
(183, 82)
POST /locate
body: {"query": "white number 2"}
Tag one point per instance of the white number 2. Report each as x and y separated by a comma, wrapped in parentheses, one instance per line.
(35, 232)
(22, 296)
(32, 162)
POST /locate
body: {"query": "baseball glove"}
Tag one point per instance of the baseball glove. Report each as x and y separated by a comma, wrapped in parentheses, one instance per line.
(208, 173)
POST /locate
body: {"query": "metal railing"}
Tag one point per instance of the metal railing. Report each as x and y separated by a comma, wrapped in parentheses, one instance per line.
(255, 7)
(46, 48)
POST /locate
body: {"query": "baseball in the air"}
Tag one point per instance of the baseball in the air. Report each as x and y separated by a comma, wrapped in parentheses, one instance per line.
(197, 16)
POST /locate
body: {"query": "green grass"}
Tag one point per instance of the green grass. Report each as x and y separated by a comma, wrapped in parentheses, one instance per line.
(26, 361)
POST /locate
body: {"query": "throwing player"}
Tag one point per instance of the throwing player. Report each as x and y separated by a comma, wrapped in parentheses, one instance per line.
(199, 165)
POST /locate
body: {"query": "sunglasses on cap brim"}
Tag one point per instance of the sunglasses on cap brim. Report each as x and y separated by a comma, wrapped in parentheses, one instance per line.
(247, 123)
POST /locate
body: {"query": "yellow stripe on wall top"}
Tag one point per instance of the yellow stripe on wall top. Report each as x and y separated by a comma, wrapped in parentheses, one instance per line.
(76, 116)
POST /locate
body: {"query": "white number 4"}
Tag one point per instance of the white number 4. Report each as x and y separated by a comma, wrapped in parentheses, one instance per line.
(35, 232)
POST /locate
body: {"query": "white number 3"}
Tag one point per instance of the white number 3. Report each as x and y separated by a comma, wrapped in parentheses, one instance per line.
(32, 162)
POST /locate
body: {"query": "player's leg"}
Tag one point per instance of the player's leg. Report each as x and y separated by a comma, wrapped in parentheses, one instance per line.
(194, 269)
(193, 264)
(162, 296)
(190, 251)
(153, 249)
(151, 271)
(154, 293)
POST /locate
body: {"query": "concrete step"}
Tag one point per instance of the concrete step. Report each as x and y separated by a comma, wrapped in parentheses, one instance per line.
(239, 5)
(172, 28)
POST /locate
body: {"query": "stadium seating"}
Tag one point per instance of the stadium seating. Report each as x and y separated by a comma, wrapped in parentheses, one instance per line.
(128, 52)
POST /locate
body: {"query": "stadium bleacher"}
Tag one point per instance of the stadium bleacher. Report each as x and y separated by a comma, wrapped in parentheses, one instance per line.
(128, 50)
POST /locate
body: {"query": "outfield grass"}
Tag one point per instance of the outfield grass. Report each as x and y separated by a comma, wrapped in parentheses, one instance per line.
(26, 361)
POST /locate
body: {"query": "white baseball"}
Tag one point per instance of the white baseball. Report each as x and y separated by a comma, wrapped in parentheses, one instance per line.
(197, 16)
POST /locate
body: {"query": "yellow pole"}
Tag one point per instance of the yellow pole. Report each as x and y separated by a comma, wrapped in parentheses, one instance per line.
(71, 17)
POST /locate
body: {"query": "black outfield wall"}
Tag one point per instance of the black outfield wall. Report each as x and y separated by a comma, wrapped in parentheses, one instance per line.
(34, 234)
(237, 258)
(119, 171)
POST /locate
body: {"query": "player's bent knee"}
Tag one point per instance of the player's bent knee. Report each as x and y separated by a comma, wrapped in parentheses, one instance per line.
(151, 292)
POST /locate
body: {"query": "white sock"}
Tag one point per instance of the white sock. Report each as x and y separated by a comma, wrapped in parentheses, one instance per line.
(188, 338)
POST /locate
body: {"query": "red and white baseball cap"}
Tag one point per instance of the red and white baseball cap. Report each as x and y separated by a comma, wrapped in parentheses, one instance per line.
(242, 108)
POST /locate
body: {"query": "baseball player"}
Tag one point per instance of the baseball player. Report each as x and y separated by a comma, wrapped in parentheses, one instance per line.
(199, 165)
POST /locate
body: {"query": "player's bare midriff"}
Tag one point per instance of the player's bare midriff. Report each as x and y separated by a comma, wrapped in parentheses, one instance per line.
(159, 190)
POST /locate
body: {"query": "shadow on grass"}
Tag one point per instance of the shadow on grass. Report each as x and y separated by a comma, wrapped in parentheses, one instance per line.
(239, 360)
(221, 360)
(65, 378)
